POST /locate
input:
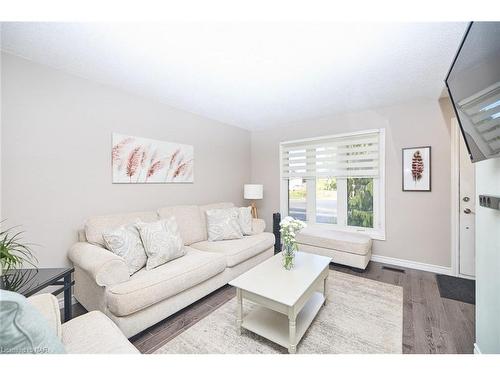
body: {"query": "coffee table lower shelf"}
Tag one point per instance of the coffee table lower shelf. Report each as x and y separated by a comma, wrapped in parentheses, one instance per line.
(274, 326)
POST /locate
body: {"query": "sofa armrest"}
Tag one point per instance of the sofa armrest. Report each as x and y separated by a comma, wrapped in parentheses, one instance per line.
(47, 305)
(102, 265)
(258, 226)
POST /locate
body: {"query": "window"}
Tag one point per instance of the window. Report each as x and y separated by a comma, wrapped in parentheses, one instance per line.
(360, 202)
(326, 200)
(336, 181)
(297, 194)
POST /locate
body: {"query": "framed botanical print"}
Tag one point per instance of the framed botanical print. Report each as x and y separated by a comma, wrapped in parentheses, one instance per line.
(417, 169)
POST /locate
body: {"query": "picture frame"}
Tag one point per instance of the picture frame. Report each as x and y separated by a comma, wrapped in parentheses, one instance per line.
(416, 169)
(137, 160)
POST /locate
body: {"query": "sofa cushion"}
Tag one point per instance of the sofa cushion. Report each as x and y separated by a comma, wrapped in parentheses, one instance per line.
(97, 225)
(245, 220)
(222, 224)
(146, 288)
(162, 241)
(126, 242)
(189, 221)
(203, 209)
(258, 226)
(237, 251)
(355, 243)
(95, 333)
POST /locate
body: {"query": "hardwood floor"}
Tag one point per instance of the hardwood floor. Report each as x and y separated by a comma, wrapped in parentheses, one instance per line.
(431, 324)
(157, 335)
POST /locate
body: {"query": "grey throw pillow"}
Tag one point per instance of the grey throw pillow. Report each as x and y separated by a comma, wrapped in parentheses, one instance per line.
(245, 220)
(222, 224)
(162, 241)
(126, 242)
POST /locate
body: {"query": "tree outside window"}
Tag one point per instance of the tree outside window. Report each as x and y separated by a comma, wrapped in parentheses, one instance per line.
(360, 202)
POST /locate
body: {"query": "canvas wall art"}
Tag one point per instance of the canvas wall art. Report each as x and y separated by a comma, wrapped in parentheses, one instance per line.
(417, 169)
(140, 160)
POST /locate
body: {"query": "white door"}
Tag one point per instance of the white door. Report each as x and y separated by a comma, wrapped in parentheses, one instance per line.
(466, 215)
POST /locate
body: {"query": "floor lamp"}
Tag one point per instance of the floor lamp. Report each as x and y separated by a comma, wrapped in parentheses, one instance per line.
(253, 192)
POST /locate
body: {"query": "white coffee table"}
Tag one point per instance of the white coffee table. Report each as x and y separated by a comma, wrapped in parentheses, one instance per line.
(288, 300)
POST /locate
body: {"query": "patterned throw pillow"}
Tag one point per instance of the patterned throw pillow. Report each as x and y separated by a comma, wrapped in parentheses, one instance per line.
(126, 242)
(162, 241)
(245, 220)
(222, 224)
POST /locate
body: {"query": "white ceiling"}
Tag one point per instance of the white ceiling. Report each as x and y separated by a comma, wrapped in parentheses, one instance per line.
(251, 75)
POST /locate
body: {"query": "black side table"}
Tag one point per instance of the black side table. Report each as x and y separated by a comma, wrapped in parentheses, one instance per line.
(28, 281)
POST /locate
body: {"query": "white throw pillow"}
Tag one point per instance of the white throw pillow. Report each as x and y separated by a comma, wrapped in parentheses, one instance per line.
(245, 220)
(162, 241)
(125, 242)
(222, 224)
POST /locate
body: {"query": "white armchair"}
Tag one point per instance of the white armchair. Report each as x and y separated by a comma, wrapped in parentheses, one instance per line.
(92, 333)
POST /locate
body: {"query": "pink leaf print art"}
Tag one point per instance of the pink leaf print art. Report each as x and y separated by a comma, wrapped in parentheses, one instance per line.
(143, 160)
(153, 156)
(155, 167)
(172, 159)
(144, 157)
(116, 152)
(182, 169)
(134, 160)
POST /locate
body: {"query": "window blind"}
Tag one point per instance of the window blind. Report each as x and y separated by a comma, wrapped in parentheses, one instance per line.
(336, 156)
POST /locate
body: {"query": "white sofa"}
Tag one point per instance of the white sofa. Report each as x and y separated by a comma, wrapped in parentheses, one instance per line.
(136, 302)
(91, 333)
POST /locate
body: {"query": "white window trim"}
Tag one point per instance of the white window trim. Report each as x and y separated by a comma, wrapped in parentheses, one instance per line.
(376, 233)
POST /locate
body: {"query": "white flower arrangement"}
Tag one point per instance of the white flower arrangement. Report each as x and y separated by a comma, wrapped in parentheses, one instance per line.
(288, 229)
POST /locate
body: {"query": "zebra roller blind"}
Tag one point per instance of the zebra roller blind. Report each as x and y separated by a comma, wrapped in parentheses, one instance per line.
(336, 156)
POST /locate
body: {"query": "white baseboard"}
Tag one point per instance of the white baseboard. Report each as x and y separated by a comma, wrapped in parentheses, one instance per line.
(412, 264)
(476, 349)
(466, 276)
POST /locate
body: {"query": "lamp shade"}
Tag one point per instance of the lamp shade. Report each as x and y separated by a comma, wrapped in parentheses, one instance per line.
(253, 191)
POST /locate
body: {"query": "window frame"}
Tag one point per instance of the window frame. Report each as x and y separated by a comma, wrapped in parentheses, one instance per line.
(378, 230)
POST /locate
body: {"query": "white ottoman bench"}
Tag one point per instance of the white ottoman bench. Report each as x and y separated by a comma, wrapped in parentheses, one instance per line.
(350, 249)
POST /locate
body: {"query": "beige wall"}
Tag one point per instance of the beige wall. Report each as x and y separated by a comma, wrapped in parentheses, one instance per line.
(56, 154)
(417, 224)
(56, 160)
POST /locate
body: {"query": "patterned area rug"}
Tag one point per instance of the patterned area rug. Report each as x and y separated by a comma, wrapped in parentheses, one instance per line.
(361, 316)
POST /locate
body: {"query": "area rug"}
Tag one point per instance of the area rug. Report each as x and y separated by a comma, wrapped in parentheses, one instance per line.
(361, 316)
